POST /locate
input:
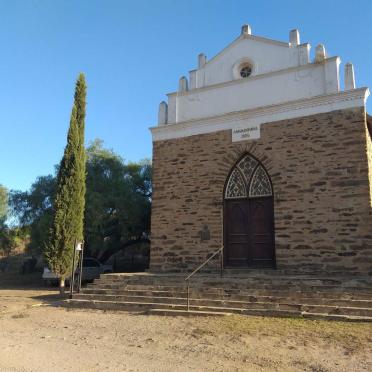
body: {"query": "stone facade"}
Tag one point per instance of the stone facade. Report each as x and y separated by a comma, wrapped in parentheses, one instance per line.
(268, 99)
(319, 169)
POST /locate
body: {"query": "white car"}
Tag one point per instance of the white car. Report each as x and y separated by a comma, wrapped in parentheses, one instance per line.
(92, 269)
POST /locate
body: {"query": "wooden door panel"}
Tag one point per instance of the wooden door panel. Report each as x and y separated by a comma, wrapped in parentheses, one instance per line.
(249, 232)
(236, 225)
(261, 232)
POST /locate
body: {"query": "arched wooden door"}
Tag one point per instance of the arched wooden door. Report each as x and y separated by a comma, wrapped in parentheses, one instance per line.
(249, 216)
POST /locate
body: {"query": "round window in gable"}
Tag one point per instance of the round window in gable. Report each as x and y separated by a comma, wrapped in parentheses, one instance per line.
(245, 71)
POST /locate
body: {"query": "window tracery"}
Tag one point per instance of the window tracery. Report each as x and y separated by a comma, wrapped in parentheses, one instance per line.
(236, 186)
(247, 166)
(250, 175)
(260, 184)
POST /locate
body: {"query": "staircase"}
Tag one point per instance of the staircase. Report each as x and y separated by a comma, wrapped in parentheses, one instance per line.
(261, 293)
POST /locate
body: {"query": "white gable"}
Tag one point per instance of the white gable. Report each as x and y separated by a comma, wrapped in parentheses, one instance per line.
(263, 55)
(281, 83)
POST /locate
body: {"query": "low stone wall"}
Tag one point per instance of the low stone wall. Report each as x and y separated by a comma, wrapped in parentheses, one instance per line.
(319, 169)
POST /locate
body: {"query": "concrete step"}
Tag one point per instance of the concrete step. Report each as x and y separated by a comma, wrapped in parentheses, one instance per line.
(138, 286)
(344, 318)
(138, 292)
(245, 284)
(337, 291)
(247, 293)
(194, 302)
(337, 310)
(168, 312)
(233, 294)
(164, 308)
(234, 301)
(237, 281)
(236, 274)
(218, 303)
(240, 283)
(145, 306)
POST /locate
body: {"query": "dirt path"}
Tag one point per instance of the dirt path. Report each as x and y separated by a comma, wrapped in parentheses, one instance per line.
(35, 335)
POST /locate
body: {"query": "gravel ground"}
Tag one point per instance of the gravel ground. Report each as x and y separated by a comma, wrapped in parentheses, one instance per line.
(37, 335)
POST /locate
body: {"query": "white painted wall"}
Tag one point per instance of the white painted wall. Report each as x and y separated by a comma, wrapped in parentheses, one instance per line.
(284, 84)
(260, 116)
(256, 91)
(265, 56)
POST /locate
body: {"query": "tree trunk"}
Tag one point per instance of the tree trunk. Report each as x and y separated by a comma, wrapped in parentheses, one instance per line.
(62, 286)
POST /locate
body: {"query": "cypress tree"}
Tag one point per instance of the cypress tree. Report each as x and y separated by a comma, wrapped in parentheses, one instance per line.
(69, 201)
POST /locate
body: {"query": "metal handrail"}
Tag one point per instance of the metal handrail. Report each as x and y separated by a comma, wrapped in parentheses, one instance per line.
(219, 250)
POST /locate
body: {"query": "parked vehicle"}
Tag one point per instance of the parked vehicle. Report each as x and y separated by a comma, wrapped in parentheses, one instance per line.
(92, 269)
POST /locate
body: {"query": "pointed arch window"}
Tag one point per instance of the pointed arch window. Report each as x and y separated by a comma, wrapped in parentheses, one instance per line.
(247, 165)
(260, 184)
(236, 186)
(248, 179)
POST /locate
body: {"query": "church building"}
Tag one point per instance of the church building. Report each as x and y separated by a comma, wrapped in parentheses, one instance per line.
(264, 152)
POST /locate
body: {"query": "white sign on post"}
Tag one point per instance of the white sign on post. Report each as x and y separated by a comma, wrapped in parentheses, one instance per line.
(245, 132)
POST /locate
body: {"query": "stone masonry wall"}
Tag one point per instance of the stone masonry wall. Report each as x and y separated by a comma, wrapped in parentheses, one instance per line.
(319, 169)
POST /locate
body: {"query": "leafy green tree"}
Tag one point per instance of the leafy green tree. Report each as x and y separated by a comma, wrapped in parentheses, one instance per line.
(118, 202)
(3, 204)
(5, 241)
(69, 201)
(34, 210)
(10, 237)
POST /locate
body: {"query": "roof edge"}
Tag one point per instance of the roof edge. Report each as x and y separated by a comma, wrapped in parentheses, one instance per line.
(289, 110)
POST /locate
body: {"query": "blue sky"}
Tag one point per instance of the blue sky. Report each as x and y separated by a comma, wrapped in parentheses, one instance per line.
(133, 52)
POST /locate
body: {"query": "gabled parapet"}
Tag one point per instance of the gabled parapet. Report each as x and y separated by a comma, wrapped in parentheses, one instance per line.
(349, 76)
(261, 54)
(253, 73)
(163, 113)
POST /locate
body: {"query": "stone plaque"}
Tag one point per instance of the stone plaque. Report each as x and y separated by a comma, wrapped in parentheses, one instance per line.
(246, 132)
(205, 234)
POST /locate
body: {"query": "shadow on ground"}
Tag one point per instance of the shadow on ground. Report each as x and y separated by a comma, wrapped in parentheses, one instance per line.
(14, 285)
(14, 280)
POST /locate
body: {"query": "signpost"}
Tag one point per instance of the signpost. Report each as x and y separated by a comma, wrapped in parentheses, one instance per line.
(78, 248)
